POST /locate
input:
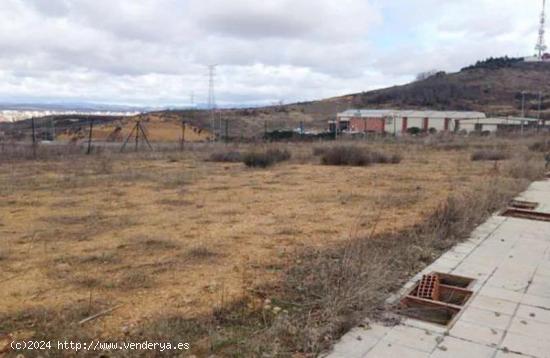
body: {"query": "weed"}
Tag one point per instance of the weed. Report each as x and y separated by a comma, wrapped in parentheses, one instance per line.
(318, 151)
(230, 157)
(155, 244)
(494, 155)
(135, 279)
(356, 156)
(174, 202)
(540, 146)
(267, 158)
(200, 252)
(339, 287)
(525, 167)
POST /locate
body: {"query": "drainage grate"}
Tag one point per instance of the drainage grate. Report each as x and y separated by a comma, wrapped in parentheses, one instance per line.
(437, 298)
(526, 214)
(521, 204)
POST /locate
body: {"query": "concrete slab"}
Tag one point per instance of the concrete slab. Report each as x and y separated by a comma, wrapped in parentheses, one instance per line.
(452, 347)
(475, 333)
(536, 301)
(419, 339)
(504, 354)
(355, 344)
(486, 318)
(530, 328)
(526, 345)
(509, 313)
(493, 304)
(501, 294)
(391, 350)
(534, 313)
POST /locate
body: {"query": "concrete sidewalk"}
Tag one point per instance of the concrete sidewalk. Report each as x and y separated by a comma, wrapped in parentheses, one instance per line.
(509, 312)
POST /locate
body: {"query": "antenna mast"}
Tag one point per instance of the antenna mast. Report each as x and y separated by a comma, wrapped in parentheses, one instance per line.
(212, 98)
(541, 45)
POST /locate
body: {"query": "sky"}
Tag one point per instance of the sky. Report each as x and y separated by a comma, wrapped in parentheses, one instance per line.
(157, 52)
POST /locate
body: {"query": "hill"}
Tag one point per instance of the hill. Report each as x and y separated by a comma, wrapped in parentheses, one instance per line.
(493, 86)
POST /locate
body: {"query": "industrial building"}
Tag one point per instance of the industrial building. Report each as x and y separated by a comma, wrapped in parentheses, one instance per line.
(500, 124)
(398, 122)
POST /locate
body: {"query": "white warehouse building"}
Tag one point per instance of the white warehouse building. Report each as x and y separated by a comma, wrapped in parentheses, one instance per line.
(500, 124)
(398, 122)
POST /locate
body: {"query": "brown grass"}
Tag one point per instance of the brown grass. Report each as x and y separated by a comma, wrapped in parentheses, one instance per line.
(226, 156)
(354, 156)
(264, 159)
(486, 154)
(296, 235)
(540, 146)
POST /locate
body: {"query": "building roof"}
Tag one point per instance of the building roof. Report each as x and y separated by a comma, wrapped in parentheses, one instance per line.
(410, 114)
(500, 120)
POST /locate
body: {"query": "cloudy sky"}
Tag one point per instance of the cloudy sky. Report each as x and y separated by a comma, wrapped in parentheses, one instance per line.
(156, 52)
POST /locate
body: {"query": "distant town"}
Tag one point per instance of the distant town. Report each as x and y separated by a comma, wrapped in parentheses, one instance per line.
(17, 114)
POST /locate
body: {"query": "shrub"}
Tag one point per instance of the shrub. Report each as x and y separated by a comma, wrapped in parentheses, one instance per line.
(542, 146)
(356, 156)
(377, 157)
(450, 146)
(489, 155)
(230, 157)
(345, 155)
(318, 151)
(527, 166)
(414, 131)
(278, 155)
(265, 159)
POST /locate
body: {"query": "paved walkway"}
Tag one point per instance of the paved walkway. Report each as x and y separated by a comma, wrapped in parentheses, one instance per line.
(509, 314)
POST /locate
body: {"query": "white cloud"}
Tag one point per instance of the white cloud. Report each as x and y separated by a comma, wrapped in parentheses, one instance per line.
(156, 51)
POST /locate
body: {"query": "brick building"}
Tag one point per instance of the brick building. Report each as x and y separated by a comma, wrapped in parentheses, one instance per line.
(399, 122)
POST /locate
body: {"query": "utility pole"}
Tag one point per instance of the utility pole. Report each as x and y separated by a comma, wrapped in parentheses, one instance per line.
(33, 131)
(182, 135)
(137, 135)
(540, 105)
(212, 98)
(220, 121)
(226, 130)
(140, 127)
(137, 128)
(33, 139)
(52, 129)
(539, 112)
(90, 137)
(522, 104)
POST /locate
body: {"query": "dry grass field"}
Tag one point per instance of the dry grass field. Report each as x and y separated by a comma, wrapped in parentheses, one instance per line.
(172, 237)
(157, 130)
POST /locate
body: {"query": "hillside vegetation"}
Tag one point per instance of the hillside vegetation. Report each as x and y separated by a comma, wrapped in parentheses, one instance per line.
(493, 86)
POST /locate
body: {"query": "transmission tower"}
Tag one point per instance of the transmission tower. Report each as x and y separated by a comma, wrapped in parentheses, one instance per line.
(541, 45)
(212, 98)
